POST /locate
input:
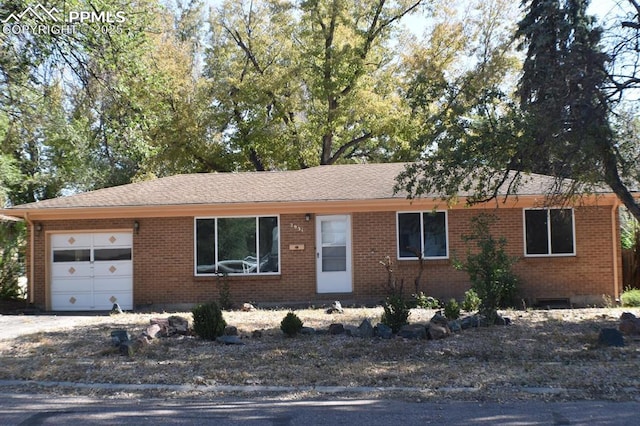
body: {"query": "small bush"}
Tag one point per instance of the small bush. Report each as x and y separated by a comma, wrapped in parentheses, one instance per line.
(207, 321)
(471, 302)
(426, 302)
(224, 292)
(489, 268)
(631, 298)
(396, 312)
(452, 309)
(291, 324)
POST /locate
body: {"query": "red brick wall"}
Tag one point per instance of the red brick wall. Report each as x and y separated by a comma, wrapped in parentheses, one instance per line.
(163, 252)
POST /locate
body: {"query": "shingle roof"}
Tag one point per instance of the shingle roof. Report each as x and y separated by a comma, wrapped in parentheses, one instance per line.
(323, 183)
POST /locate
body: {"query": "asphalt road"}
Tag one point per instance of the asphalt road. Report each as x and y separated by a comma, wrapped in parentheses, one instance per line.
(29, 409)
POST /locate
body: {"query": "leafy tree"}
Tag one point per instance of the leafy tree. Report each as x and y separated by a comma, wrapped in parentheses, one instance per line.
(301, 84)
(457, 83)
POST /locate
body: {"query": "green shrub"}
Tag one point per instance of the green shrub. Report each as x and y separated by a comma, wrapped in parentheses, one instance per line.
(631, 298)
(224, 292)
(207, 321)
(452, 309)
(291, 324)
(471, 302)
(489, 268)
(426, 302)
(396, 312)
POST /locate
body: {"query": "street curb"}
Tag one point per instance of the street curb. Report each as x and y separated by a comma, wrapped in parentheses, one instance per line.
(261, 388)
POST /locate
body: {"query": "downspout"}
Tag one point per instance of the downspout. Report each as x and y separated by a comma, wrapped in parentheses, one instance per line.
(32, 252)
(616, 242)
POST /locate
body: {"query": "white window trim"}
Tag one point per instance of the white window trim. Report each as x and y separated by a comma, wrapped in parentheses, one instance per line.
(421, 213)
(549, 254)
(215, 232)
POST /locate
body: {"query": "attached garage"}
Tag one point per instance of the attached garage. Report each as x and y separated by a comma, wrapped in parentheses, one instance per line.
(91, 271)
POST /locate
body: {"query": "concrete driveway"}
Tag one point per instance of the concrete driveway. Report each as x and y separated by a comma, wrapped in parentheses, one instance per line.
(12, 326)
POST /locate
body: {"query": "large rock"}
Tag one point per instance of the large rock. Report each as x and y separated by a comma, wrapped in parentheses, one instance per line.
(440, 319)
(383, 331)
(610, 337)
(120, 336)
(365, 329)
(470, 321)
(437, 331)
(179, 324)
(153, 331)
(413, 331)
(308, 330)
(248, 307)
(629, 324)
(336, 329)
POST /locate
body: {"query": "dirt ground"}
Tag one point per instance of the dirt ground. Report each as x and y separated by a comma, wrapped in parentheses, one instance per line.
(543, 354)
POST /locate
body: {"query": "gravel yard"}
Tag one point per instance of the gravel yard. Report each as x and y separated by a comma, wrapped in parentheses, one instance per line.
(551, 354)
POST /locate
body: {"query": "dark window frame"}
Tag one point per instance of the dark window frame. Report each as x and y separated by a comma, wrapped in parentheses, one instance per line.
(421, 214)
(216, 270)
(549, 252)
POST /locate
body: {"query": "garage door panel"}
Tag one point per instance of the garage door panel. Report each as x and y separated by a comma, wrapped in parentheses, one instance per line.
(105, 301)
(72, 301)
(112, 269)
(71, 240)
(115, 239)
(111, 284)
(71, 270)
(73, 285)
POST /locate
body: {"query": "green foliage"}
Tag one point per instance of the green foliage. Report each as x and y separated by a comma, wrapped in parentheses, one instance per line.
(631, 298)
(426, 302)
(471, 302)
(207, 321)
(489, 268)
(12, 245)
(224, 292)
(452, 309)
(396, 312)
(291, 324)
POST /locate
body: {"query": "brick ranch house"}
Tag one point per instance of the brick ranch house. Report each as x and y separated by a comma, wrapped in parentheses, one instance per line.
(308, 236)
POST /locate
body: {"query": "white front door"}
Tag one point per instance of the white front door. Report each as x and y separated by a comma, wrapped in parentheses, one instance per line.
(333, 254)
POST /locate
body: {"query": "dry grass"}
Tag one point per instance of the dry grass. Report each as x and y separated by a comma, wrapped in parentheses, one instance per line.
(541, 349)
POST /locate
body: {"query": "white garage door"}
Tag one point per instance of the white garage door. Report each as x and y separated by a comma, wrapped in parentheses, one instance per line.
(91, 271)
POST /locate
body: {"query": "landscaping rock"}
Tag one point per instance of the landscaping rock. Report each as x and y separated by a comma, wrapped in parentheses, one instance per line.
(383, 331)
(454, 326)
(500, 320)
(308, 330)
(365, 329)
(629, 324)
(440, 319)
(470, 321)
(179, 324)
(437, 331)
(336, 329)
(119, 336)
(610, 337)
(351, 330)
(248, 307)
(413, 331)
(256, 334)
(336, 308)
(116, 309)
(153, 331)
(230, 330)
(229, 340)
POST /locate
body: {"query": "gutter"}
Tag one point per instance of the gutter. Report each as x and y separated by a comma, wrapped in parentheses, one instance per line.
(32, 252)
(616, 245)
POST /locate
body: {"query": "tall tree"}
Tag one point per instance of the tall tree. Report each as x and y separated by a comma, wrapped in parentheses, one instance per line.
(307, 83)
(458, 85)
